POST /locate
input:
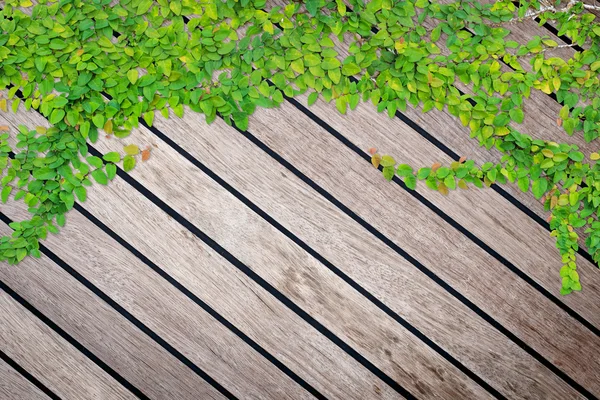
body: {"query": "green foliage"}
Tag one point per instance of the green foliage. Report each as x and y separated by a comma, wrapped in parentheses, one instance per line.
(91, 66)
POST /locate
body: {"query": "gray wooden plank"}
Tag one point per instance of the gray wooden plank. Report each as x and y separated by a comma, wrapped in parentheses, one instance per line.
(14, 386)
(374, 265)
(100, 328)
(56, 363)
(210, 277)
(299, 276)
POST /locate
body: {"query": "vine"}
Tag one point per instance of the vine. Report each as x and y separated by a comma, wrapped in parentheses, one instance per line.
(95, 65)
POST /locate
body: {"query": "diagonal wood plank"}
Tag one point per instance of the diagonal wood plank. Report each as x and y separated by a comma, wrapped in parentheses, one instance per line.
(56, 363)
(13, 385)
(350, 247)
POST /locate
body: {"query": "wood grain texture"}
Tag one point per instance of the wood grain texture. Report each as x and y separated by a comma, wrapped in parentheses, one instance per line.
(297, 275)
(418, 230)
(14, 386)
(100, 328)
(57, 364)
(223, 287)
(514, 235)
(167, 311)
(350, 247)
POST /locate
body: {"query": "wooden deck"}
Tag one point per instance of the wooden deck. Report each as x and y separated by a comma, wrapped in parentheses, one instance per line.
(277, 263)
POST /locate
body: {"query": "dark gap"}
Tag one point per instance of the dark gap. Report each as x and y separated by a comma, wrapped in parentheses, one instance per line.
(81, 279)
(28, 376)
(72, 341)
(199, 302)
(258, 279)
(320, 258)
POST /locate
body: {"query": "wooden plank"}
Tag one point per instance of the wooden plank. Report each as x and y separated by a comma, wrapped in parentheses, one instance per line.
(514, 235)
(56, 363)
(13, 385)
(297, 275)
(100, 328)
(342, 241)
(418, 230)
(245, 304)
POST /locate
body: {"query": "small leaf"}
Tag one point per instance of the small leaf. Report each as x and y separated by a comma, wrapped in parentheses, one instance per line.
(131, 149)
(387, 161)
(372, 150)
(376, 160)
(442, 189)
(113, 157)
(388, 172)
(128, 163)
(145, 155)
(5, 193)
(132, 75)
(81, 193)
(410, 182)
(99, 176)
(404, 170)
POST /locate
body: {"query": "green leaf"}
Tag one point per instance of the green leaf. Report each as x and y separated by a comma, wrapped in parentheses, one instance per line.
(517, 115)
(423, 173)
(94, 161)
(523, 183)
(539, 187)
(387, 161)
(312, 98)
(81, 193)
(98, 121)
(350, 69)
(113, 157)
(404, 170)
(132, 75)
(111, 171)
(388, 172)
(501, 120)
(411, 182)
(56, 116)
(5, 193)
(330, 63)
(44, 174)
(576, 156)
(128, 163)
(99, 176)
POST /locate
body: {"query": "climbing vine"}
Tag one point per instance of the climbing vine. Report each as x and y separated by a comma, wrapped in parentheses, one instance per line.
(96, 65)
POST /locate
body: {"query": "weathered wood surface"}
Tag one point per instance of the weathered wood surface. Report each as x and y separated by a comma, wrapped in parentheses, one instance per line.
(14, 386)
(55, 362)
(299, 276)
(345, 243)
(101, 329)
(295, 260)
